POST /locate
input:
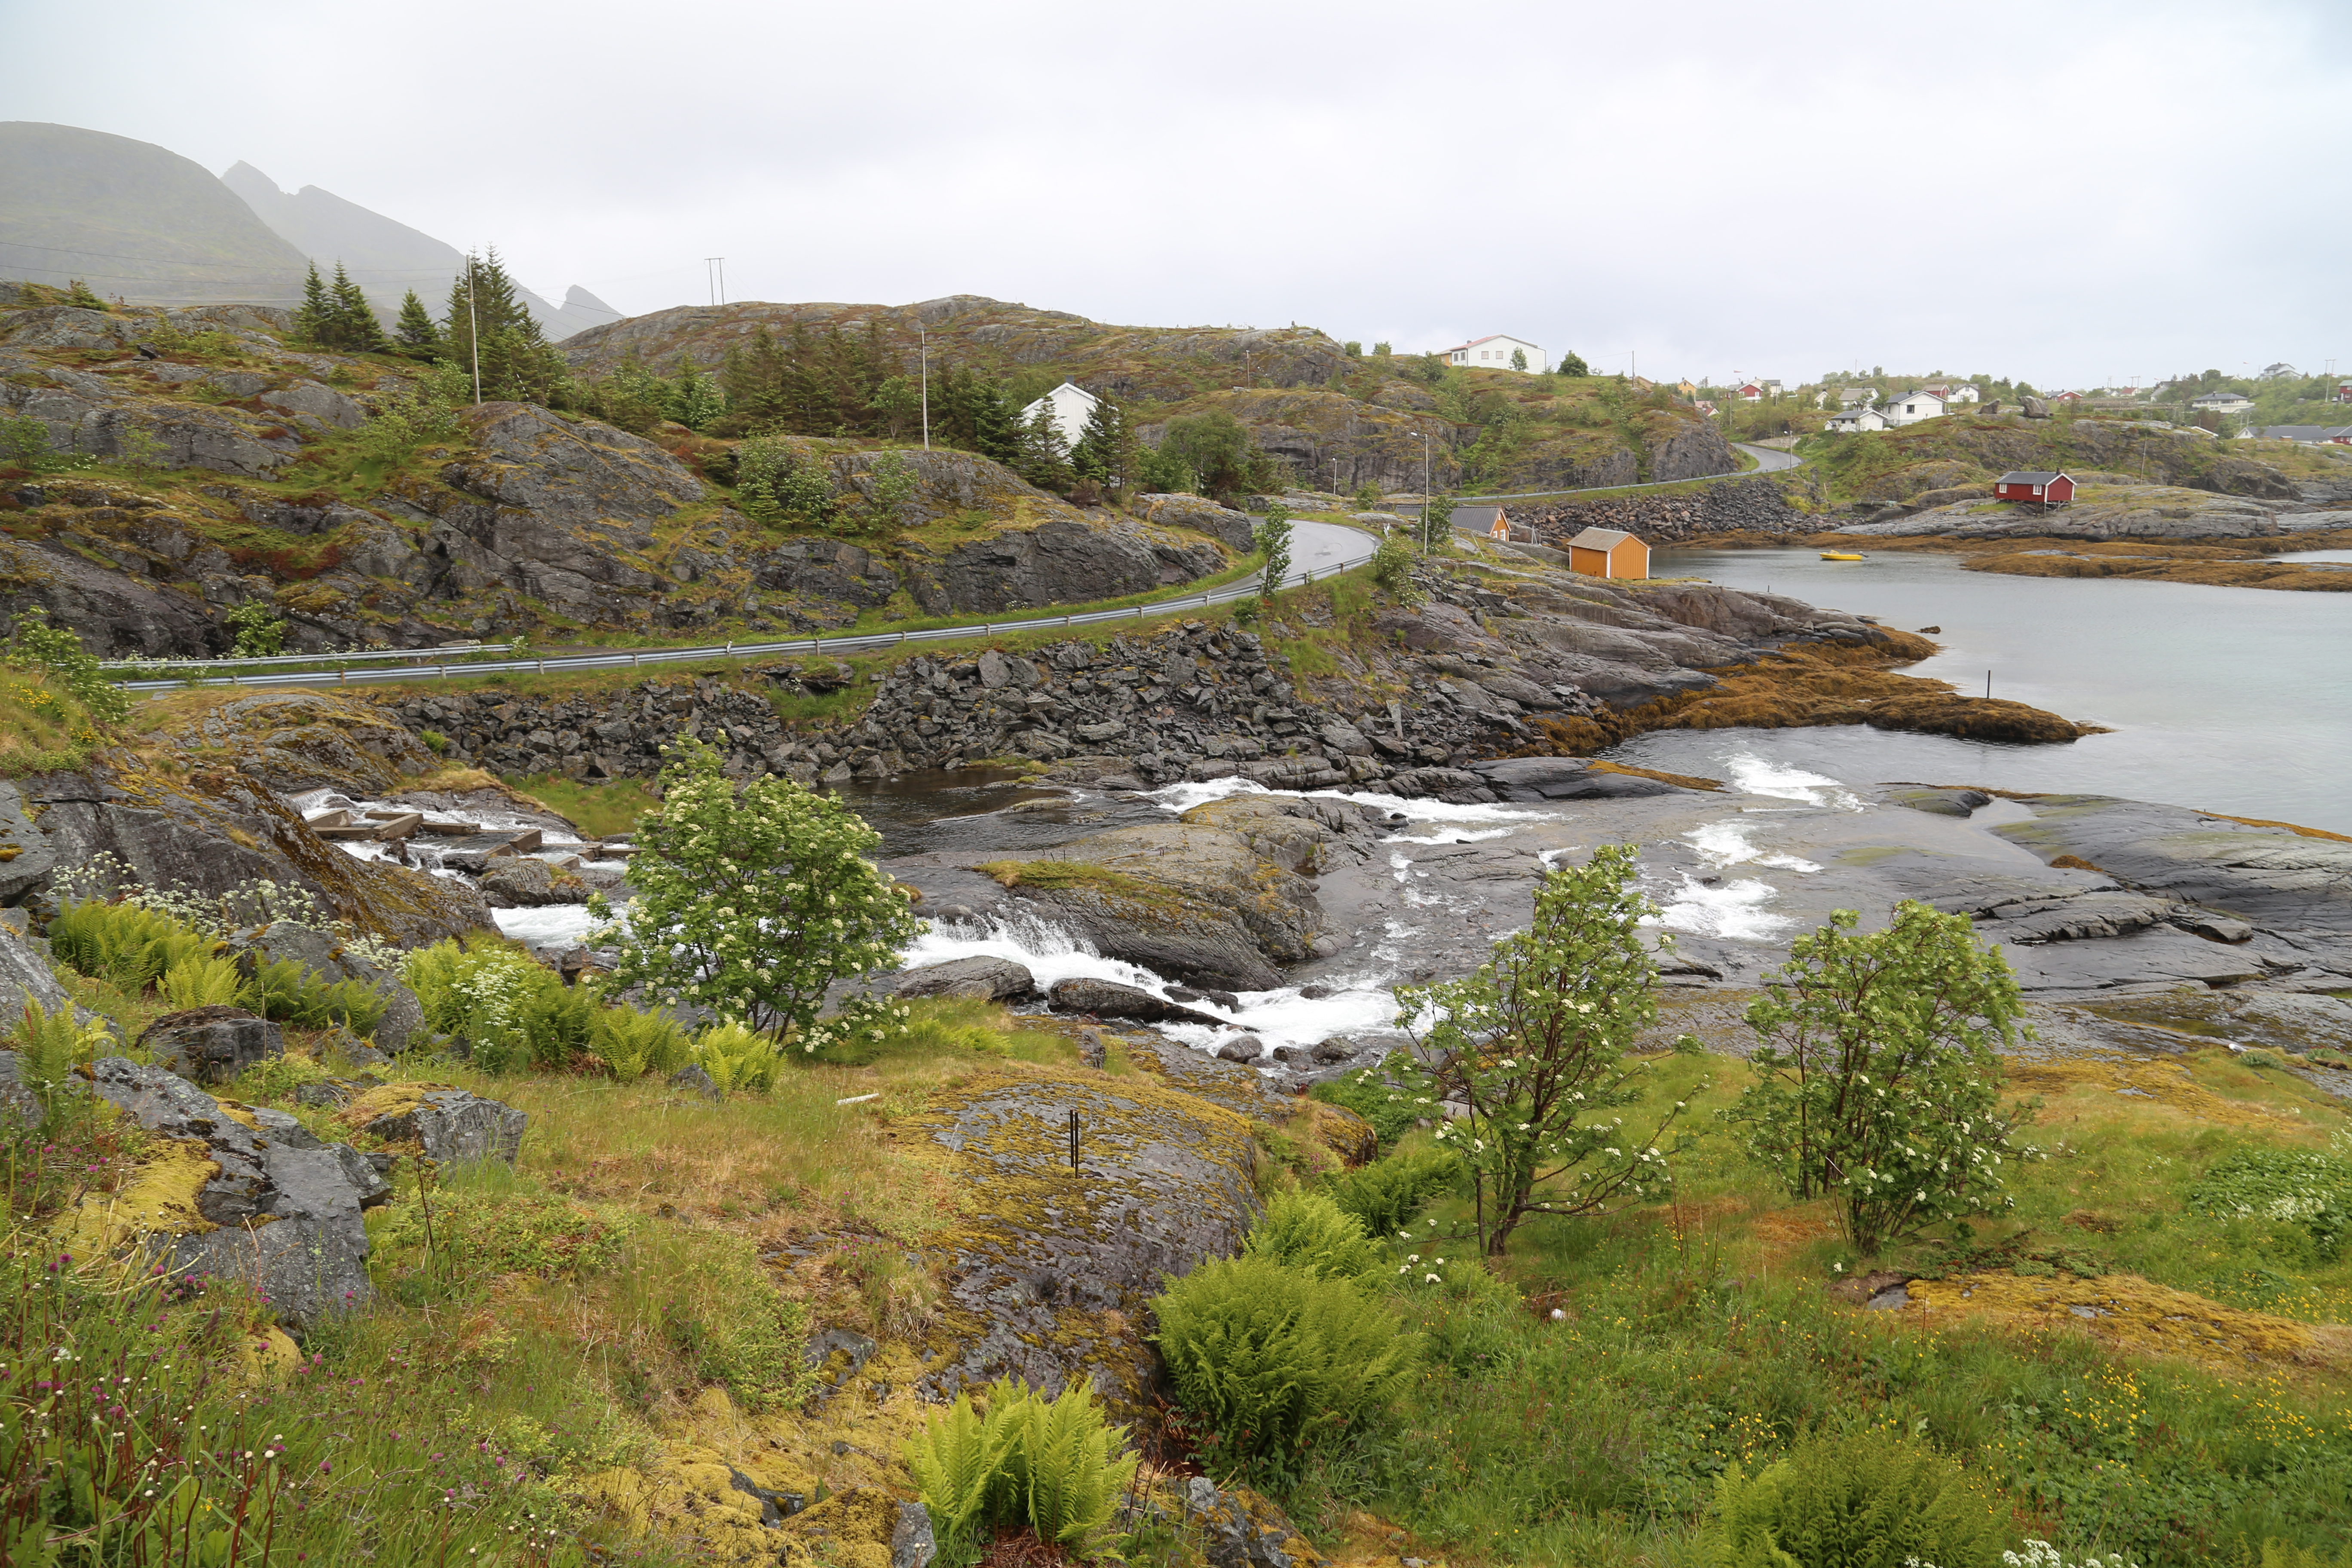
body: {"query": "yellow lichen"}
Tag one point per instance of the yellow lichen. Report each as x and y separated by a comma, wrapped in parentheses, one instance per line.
(158, 1201)
(2136, 1315)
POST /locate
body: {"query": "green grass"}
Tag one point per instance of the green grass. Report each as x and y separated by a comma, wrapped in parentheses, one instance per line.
(606, 810)
(1698, 1334)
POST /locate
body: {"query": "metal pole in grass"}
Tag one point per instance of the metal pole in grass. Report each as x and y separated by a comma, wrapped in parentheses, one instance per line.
(1074, 1143)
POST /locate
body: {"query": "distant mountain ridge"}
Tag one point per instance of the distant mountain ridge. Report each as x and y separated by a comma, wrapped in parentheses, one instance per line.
(137, 220)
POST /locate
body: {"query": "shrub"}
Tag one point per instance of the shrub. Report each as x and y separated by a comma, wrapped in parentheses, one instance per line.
(1863, 1502)
(260, 631)
(1308, 1231)
(434, 741)
(1386, 1194)
(773, 485)
(510, 1011)
(753, 899)
(1534, 1043)
(1268, 1359)
(1878, 1074)
(1392, 570)
(1027, 1461)
(632, 1043)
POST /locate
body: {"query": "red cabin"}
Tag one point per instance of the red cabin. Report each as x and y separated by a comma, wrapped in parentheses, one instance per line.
(2047, 491)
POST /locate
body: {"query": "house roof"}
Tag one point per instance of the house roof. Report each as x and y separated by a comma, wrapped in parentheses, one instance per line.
(2303, 432)
(1483, 513)
(2220, 397)
(2032, 476)
(1601, 539)
(1489, 337)
(1916, 391)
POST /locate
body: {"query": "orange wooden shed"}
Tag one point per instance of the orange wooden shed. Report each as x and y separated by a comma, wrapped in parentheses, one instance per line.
(1609, 552)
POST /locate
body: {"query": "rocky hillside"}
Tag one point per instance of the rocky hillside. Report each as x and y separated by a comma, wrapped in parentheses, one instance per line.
(1958, 458)
(1302, 396)
(234, 470)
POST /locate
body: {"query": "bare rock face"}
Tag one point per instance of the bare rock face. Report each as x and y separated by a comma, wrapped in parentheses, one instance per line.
(212, 1045)
(211, 833)
(2121, 512)
(1053, 1270)
(1062, 561)
(1230, 528)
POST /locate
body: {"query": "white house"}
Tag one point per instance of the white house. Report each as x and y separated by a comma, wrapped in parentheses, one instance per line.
(1910, 408)
(1964, 392)
(2280, 372)
(1495, 353)
(1072, 406)
(2229, 403)
(1848, 396)
(1855, 420)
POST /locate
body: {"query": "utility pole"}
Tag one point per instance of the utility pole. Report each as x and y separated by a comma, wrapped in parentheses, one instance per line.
(716, 280)
(473, 328)
(923, 349)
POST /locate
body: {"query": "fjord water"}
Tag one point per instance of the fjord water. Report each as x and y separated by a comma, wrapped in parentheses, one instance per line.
(2227, 699)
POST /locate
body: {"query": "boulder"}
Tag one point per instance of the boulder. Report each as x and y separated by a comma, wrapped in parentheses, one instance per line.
(694, 1080)
(984, 978)
(524, 881)
(1051, 1270)
(1241, 1048)
(1939, 802)
(1564, 778)
(1108, 999)
(321, 403)
(25, 853)
(212, 1045)
(1225, 999)
(443, 1123)
(271, 1205)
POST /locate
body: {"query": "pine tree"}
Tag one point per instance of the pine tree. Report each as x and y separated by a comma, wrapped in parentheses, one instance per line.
(351, 322)
(416, 333)
(312, 315)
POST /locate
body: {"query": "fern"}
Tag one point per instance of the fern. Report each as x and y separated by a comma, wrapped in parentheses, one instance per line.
(737, 1057)
(1387, 1193)
(1047, 1465)
(53, 1045)
(1308, 1231)
(1270, 1359)
(200, 982)
(632, 1043)
(1863, 1502)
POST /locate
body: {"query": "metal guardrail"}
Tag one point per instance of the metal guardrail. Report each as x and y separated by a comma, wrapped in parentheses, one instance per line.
(441, 651)
(640, 657)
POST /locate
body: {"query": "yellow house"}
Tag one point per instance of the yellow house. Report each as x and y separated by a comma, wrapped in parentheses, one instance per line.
(1608, 553)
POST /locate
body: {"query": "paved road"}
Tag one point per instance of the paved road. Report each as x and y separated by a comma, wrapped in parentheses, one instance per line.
(1770, 459)
(1317, 550)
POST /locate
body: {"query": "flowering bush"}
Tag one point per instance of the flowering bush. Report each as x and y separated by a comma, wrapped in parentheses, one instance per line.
(1532, 1046)
(753, 899)
(1878, 1076)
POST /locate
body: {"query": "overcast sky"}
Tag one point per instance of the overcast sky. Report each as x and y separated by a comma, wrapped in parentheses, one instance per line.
(2064, 190)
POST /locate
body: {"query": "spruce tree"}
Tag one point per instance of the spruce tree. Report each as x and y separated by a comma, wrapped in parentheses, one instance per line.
(1044, 458)
(1106, 452)
(312, 316)
(490, 332)
(414, 331)
(351, 322)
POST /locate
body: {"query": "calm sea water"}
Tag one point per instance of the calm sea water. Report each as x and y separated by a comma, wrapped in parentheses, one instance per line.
(2230, 699)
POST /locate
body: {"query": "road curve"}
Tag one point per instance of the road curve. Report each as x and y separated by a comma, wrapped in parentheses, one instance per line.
(1317, 550)
(1769, 460)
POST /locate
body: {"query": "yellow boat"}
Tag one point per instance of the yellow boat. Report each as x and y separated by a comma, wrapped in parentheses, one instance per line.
(1839, 556)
